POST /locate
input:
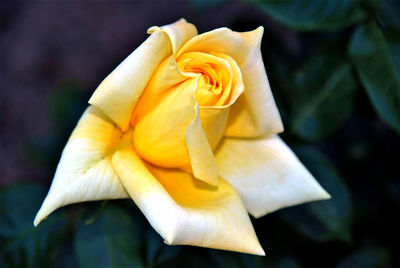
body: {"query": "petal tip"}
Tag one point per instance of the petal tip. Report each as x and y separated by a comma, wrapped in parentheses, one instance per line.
(152, 29)
(182, 20)
(260, 252)
(325, 196)
(321, 193)
(257, 215)
(169, 236)
(39, 218)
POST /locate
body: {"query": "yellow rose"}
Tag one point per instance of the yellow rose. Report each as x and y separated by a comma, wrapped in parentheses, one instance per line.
(186, 126)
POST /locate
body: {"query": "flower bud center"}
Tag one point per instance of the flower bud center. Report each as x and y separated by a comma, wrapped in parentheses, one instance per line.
(215, 82)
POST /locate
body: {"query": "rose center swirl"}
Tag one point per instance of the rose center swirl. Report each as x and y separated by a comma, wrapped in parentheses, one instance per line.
(215, 83)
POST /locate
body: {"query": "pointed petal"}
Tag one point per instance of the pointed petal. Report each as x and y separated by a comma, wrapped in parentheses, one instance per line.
(118, 94)
(85, 172)
(255, 113)
(267, 174)
(184, 210)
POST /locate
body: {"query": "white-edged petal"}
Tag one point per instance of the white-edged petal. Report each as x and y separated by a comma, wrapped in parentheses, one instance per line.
(118, 94)
(184, 210)
(255, 113)
(85, 172)
(267, 174)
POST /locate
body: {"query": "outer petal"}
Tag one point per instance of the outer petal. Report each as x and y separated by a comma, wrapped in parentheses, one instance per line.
(186, 211)
(118, 94)
(255, 113)
(85, 172)
(267, 174)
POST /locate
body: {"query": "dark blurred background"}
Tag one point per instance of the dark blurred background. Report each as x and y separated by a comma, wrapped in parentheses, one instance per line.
(334, 69)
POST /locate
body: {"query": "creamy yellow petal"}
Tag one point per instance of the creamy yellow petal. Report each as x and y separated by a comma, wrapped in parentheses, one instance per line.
(214, 123)
(178, 32)
(166, 76)
(84, 172)
(255, 113)
(267, 174)
(184, 210)
(201, 155)
(170, 135)
(118, 94)
(159, 136)
(214, 119)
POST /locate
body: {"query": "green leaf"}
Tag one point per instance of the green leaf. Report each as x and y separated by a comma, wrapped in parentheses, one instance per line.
(311, 15)
(322, 220)
(366, 258)
(393, 40)
(23, 245)
(373, 60)
(112, 240)
(323, 95)
(388, 14)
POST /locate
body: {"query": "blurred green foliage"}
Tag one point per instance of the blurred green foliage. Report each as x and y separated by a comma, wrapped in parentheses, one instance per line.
(324, 220)
(313, 15)
(349, 54)
(374, 62)
(324, 82)
(111, 239)
(23, 245)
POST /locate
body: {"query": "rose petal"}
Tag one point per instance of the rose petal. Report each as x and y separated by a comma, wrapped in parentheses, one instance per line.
(85, 172)
(255, 113)
(165, 77)
(170, 135)
(159, 136)
(201, 155)
(118, 94)
(267, 174)
(214, 119)
(179, 33)
(214, 123)
(186, 211)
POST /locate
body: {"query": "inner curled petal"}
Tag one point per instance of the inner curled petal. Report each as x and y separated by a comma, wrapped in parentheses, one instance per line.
(215, 84)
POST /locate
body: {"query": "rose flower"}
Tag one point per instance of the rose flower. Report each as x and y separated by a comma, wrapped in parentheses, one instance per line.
(186, 126)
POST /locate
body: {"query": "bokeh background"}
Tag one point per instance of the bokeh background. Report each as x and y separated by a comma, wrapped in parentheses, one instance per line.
(334, 69)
